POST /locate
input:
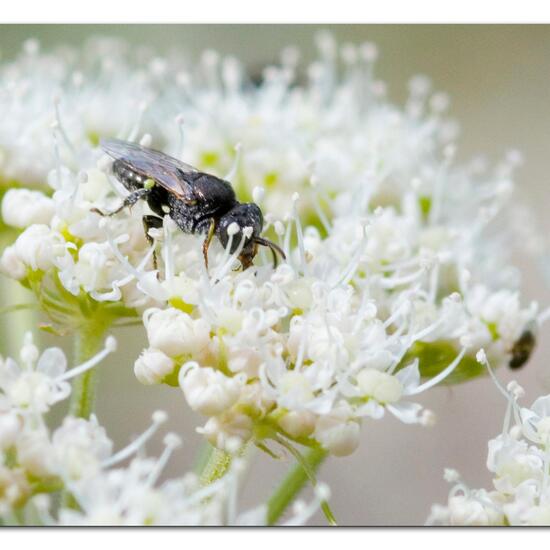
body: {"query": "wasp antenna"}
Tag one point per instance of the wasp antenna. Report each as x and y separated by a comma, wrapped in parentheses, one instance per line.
(275, 249)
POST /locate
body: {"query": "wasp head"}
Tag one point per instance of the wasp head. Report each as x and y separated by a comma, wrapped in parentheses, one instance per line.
(249, 222)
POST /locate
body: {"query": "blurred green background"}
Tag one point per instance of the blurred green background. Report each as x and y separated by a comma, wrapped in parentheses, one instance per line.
(498, 78)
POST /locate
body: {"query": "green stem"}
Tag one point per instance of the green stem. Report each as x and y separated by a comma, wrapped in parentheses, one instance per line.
(215, 467)
(22, 316)
(294, 482)
(87, 343)
(203, 456)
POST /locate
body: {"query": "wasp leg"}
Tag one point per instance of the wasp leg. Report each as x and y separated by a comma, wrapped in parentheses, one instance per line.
(207, 241)
(130, 200)
(152, 222)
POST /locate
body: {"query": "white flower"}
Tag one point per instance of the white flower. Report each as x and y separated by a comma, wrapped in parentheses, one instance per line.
(11, 265)
(96, 187)
(176, 333)
(38, 247)
(66, 93)
(35, 453)
(379, 385)
(80, 445)
(295, 389)
(391, 253)
(228, 431)
(92, 267)
(298, 423)
(129, 496)
(502, 311)
(39, 380)
(14, 489)
(78, 458)
(37, 383)
(10, 426)
(519, 459)
(22, 207)
(474, 510)
(536, 421)
(512, 462)
(538, 516)
(388, 238)
(207, 391)
(338, 432)
(152, 366)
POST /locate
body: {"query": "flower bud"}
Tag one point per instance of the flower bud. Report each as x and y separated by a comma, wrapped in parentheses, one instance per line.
(245, 360)
(80, 445)
(228, 431)
(296, 387)
(35, 454)
(29, 352)
(23, 207)
(14, 487)
(208, 391)
(176, 333)
(299, 293)
(543, 429)
(38, 246)
(91, 269)
(298, 423)
(11, 265)
(465, 511)
(381, 386)
(341, 439)
(428, 418)
(230, 319)
(152, 366)
(96, 186)
(337, 432)
(9, 429)
(539, 516)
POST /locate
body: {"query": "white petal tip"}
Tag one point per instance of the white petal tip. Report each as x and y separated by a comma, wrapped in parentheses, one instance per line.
(172, 440)
(110, 344)
(159, 417)
(322, 491)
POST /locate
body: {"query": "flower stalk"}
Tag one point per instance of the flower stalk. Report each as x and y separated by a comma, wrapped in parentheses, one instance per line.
(294, 482)
(215, 467)
(87, 342)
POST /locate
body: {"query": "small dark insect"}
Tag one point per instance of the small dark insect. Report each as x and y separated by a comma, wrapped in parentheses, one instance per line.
(522, 349)
(196, 201)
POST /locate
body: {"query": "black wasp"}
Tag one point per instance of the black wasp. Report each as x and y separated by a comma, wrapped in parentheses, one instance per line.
(196, 201)
(522, 349)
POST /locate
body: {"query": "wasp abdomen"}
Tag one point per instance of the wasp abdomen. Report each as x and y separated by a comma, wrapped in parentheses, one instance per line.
(522, 349)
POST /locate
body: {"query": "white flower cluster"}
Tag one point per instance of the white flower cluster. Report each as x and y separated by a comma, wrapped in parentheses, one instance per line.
(519, 461)
(31, 460)
(77, 458)
(395, 274)
(71, 97)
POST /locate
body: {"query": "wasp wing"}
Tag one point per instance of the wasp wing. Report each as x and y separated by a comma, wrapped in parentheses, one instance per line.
(165, 170)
